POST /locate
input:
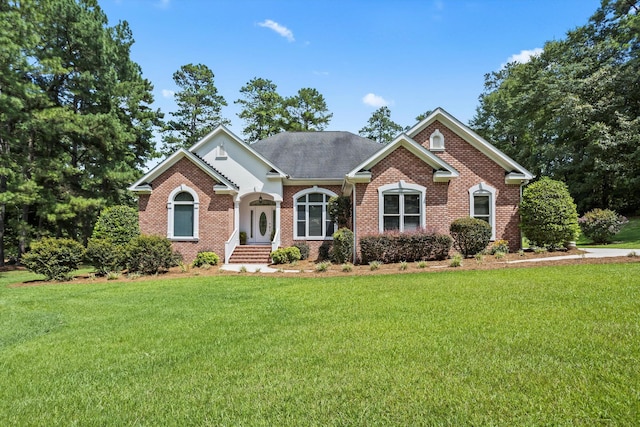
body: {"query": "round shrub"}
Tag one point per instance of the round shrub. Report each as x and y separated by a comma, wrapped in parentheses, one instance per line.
(117, 223)
(342, 246)
(600, 225)
(549, 216)
(470, 235)
(293, 254)
(54, 258)
(206, 258)
(105, 256)
(150, 255)
(285, 255)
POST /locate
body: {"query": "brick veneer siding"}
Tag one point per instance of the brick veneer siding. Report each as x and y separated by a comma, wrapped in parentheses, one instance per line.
(475, 167)
(444, 202)
(215, 211)
(287, 219)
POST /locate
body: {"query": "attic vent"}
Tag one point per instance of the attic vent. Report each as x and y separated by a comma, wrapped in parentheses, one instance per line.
(436, 141)
(221, 154)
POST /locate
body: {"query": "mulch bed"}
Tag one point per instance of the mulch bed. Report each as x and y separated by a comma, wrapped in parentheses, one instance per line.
(307, 268)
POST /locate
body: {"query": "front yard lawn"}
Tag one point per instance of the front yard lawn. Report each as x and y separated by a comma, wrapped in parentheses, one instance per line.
(533, 346)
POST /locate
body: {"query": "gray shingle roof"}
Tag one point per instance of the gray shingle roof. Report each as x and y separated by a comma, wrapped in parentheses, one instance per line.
(326, 154)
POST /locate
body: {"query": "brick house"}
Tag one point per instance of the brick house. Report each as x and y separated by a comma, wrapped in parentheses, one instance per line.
(276, 190)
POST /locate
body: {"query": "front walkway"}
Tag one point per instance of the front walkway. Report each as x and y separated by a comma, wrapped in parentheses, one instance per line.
(588, 253)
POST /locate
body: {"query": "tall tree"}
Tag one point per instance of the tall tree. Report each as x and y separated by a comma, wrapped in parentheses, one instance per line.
(199, 107)
(307, 111)
(262, 109)
(380, 127)
(78, 125)
(573, 113)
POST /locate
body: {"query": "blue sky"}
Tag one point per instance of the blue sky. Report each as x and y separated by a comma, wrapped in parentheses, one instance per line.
(410, 55)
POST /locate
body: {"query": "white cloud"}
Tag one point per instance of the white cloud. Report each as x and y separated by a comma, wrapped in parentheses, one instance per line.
(524, 56)
(321, 73)
(374, 100)
(163, 4)
(280, 29)
(168, 93)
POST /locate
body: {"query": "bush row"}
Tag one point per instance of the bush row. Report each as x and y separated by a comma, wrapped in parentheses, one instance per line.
(392, 247)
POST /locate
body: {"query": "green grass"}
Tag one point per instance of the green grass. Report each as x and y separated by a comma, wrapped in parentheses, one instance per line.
(627, 238)
(534, 346)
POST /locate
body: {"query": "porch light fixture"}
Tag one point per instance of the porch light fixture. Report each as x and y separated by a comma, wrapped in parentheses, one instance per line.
(260, 199)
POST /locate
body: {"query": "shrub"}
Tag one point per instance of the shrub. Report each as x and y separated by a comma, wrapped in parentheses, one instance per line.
(600, 225)
(303, 247)
(325, 250)
(150, 255)
(499, 246)
(118, 224)
(342, 246)
(470, 235)
(548, 212)
(279, 256)
(293, 254)
(105, 256)
(206, 258)
(285, 255)
(54, 258)
(374, 265)
(393, 247)
(339, 210)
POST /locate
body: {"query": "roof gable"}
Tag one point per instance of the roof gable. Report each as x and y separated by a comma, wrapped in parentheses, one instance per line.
(443, 170)
(475, 140)
(143, 185)
(203, 147)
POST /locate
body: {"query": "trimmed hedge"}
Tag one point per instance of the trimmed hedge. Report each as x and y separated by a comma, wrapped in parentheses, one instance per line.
(392, 247)
(470, 235)
(549, 216)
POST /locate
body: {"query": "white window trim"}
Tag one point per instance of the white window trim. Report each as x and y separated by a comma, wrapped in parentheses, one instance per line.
(325, 215)
(436, 136)
(196, 213)
(492, 204)
(401, 187)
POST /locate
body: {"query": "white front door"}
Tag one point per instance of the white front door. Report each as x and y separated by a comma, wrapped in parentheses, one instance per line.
(262, 223)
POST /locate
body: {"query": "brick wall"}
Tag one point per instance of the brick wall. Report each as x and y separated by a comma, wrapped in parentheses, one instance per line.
(475, 167)
(215, 211)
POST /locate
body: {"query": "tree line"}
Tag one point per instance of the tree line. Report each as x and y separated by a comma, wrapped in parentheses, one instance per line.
(573, 112)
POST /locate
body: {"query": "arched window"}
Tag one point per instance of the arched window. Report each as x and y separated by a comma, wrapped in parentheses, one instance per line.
(401, 206)
(182, 213)
(310, 211)
(482, 205)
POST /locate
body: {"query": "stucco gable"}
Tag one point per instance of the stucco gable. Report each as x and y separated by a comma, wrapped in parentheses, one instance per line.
(221, 142)
(514, 171)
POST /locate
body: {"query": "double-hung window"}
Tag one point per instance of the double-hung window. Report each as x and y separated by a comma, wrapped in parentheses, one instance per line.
(312, 220)
(401, 207)
(482, 205)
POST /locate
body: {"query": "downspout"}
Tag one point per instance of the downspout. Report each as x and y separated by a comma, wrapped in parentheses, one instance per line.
(353, 216)
(522, 184)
